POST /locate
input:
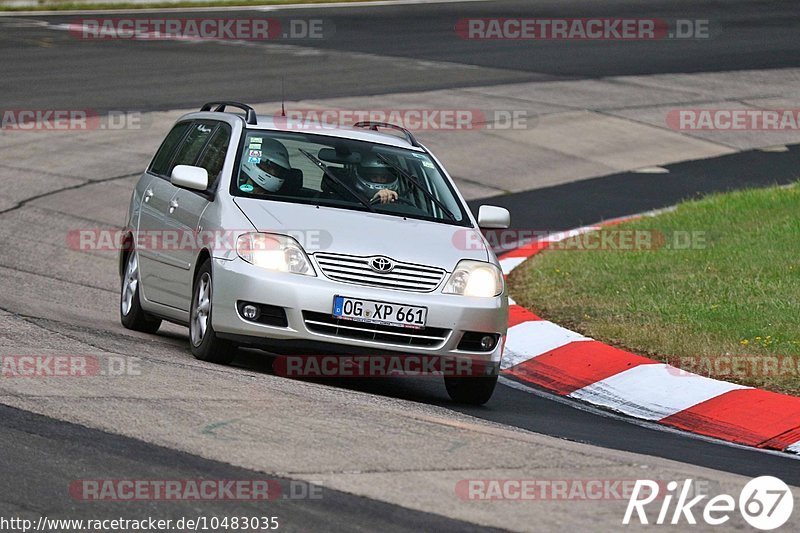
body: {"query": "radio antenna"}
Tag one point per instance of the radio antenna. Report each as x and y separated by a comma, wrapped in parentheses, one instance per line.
(283, 100)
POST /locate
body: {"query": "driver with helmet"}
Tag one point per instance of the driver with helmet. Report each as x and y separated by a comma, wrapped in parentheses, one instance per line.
(272, 170)
(376, 180)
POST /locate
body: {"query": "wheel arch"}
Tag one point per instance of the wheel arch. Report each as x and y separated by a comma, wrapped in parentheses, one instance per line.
(126, 247)
(203, 256)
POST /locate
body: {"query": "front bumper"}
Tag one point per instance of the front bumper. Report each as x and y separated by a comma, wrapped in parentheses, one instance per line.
(236, 280)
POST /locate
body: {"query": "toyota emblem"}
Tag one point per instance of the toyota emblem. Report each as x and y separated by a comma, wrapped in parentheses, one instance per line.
(381, 264)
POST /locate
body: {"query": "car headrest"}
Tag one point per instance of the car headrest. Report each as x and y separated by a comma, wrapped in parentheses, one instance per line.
(293, 182)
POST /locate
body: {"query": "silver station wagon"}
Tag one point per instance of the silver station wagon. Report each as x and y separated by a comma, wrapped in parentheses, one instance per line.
(253, 231)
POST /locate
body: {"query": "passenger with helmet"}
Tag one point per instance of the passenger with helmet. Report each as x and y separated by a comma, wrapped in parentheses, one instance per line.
(273, 169)
(376, 180)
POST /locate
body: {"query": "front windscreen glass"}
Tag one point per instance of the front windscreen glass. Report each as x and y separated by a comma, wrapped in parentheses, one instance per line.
(345, 173)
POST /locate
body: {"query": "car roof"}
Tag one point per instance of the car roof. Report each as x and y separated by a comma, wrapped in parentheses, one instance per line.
(282, 124)
(278, 123)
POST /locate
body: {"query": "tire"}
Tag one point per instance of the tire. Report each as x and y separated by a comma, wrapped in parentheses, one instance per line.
(131, 314)
(205, 344)
(470, 390)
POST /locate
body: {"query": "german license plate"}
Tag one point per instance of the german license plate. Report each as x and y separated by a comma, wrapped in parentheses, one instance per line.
(390, 314)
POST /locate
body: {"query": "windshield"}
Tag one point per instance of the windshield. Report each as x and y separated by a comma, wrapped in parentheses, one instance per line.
(345, 173)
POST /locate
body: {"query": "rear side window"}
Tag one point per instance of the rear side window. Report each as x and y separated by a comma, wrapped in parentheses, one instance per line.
(213, 156)
(161, 161)
(193, 144)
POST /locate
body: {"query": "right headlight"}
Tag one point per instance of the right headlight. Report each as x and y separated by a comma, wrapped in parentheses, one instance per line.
(475, 278)
(279, 253)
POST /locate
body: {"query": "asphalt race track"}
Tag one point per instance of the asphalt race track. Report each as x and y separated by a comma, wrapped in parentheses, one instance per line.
(373, 51)
(408, 50)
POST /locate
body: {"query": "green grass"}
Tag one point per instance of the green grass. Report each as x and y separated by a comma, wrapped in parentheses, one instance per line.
(59, 5)
(736, 292)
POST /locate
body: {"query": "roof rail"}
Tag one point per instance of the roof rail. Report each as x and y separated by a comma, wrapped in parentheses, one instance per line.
(375, 125)
(250, 114)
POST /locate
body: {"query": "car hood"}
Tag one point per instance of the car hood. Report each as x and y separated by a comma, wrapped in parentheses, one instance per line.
(329, 229)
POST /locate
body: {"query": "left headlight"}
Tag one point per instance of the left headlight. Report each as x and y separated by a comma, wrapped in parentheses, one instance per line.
(279, 253)
(475, 278)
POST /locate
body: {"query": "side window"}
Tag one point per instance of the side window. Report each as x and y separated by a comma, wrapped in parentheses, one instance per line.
(194, 142)
(213, 156)
(161, 161)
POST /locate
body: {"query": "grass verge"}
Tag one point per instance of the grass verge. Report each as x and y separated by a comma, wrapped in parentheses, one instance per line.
(58, 5)
(717, 292)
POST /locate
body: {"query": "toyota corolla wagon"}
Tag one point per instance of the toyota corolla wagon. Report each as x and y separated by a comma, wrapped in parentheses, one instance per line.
(253, 231)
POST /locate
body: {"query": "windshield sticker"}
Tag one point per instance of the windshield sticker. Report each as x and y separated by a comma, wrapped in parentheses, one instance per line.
(253, 159)
(255, 153)
(427, 164)
(256, 139)
(255, 146)
(246, 187)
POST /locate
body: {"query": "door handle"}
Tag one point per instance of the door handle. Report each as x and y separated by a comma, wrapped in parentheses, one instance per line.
(147, 195)
(173, 205)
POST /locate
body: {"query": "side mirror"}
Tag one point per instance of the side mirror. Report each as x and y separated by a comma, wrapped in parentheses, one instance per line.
(493, 217)
(190, 177)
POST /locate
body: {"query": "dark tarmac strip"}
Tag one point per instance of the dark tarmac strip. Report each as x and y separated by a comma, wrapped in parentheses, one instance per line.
(43, 457)
(579, 203)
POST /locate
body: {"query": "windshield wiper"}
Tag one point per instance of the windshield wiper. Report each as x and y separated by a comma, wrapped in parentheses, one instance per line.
(413, 180)
(338, 180)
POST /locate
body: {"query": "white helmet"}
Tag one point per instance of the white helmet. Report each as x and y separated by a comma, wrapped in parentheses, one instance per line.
(372, 175)
(273, 167)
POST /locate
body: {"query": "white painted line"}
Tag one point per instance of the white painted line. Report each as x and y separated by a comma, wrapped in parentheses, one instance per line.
(775, 149)
(653, 391)
(651, 170)
(597, 411)
(531, 339)
(510, 263)
(564, 235)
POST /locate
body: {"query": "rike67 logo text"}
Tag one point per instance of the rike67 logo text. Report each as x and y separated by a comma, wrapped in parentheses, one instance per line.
(765, 503)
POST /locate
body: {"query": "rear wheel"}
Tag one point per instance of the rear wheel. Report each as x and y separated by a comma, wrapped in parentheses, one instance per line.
(131, 314)
(205, 344)
(470, 390)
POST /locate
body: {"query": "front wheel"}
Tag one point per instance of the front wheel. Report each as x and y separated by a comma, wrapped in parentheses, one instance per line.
(131, 314)
(470, 390)
(205, 344)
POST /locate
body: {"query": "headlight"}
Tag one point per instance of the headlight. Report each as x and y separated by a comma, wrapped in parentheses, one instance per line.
(279, 253)
(475, 278)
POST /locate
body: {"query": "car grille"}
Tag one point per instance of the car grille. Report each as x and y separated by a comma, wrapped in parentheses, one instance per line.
(356, 270)
(350, 329)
